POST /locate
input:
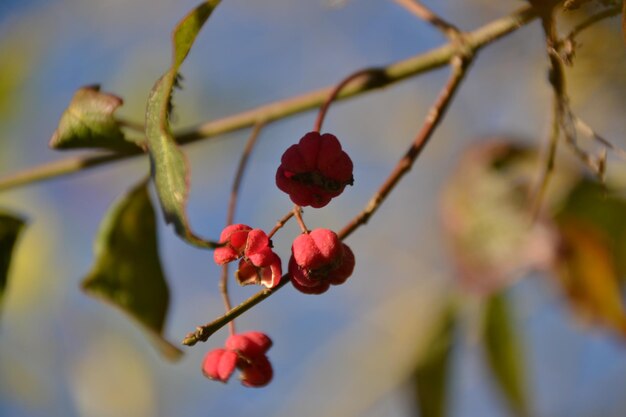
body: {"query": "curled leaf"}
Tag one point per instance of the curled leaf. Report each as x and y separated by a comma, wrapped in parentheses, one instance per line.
(89, 122)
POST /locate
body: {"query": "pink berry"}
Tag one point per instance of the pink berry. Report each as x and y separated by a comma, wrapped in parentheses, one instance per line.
(244, 351)
(319, 259)
(259, 264)
(315, 170)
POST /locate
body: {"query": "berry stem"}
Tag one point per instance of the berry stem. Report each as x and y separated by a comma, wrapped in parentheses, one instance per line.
(232, 205)
(280, 224)
(297, 211)
(371, 73)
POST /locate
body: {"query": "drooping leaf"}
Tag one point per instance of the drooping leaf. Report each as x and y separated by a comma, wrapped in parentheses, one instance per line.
(89, 122)
(127, 271)
(504, 353)
(169, 165)
(431, 374)
(587, 272)
(10, 228)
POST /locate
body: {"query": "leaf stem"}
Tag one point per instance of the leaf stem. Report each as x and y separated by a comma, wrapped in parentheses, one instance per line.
(371, 73)
(280, 224)
(230, 216)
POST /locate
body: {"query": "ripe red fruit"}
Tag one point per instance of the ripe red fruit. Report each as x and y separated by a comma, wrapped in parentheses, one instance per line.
(246, 352)
(315, 170)
(258, 264)
(319, 259)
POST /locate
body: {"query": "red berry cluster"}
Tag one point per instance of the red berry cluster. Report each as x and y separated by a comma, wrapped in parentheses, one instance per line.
(312, 172)
(246, 352)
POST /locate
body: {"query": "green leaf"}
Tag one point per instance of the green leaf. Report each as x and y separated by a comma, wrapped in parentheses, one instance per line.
(504, 353)
(169, 165)
(88, 122)
(127, 272)
(431, 373)
(10, 228)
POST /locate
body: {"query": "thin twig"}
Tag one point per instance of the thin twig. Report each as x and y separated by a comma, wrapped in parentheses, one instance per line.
(139, 127)
(548, 169)
(202, 333)
(297, 212)
(418, 9)
(591, 20)
(280, 224)
(434, 117)
(230, 216)
(393, 73)
(223, 285)
(245, 155)
(588, 131)
(371, 73)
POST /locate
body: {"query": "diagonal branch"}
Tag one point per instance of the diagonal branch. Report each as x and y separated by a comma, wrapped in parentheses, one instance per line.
(393, 73)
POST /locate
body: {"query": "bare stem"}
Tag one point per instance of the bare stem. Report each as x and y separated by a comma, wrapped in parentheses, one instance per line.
(421, 11)
(226, 297)
(371, 73)
(245, 156)
(232, 205)
(280, 224)
(393, 73)
(297, 212)
(550, 159)
(434, 117)
(591, 20)
(202, 333)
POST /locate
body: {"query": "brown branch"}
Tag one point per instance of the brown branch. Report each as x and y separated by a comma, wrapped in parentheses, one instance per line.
(434, 117)
(371, 73)
(280, 224)
(421, 11)
(393, 73)
(297, 212)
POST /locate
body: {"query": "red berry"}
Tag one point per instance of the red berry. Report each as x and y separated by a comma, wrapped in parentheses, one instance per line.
(245, 351)
(319, 259)
(219, 364)
(259, 264)
(234, 237)
(315, 170)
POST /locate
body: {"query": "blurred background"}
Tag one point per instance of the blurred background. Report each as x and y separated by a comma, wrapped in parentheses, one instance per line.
(352, 351)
